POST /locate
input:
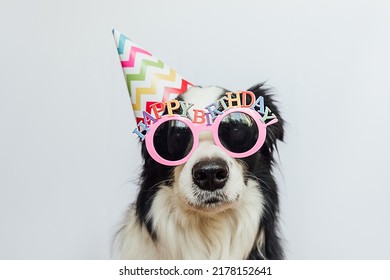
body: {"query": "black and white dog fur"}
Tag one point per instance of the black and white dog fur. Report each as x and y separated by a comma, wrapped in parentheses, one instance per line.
(172, 218)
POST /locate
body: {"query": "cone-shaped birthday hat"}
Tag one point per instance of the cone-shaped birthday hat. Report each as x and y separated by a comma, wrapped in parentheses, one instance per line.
(148, 79)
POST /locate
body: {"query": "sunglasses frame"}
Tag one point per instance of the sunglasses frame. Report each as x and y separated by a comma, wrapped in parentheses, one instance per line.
(196, 128)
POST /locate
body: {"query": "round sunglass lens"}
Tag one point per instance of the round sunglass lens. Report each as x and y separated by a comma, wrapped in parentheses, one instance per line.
(173, 140)
(238, 132)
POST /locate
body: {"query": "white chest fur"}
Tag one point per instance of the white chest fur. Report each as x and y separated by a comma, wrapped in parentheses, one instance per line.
(184, 234)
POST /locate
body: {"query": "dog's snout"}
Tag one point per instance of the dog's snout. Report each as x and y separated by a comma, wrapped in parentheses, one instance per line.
(210, 174)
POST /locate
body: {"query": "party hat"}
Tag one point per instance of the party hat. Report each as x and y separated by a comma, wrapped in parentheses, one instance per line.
(148, 79)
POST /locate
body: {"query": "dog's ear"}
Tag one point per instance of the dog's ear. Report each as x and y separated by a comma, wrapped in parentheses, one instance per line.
(275, 131)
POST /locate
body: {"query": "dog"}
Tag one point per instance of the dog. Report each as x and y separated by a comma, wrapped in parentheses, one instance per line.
(213, 206)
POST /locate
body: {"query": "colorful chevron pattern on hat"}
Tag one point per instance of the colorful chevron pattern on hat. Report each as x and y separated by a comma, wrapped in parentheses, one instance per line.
(148, 79)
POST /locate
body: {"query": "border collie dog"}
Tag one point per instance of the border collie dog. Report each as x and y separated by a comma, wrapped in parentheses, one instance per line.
(213, 206)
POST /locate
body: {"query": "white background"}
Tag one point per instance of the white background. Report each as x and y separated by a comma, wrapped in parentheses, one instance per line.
(68, 162)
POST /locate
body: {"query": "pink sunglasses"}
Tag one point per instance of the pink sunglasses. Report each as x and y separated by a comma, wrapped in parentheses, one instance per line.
(240, 132)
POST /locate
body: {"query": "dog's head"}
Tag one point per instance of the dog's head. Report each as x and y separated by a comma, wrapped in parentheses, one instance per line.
(210, 181)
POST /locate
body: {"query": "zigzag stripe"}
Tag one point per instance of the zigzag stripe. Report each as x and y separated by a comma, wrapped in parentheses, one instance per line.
(141, 76)
(138, 63)
(133, 52)
(171, 90)
(121, 43)
(152, 89)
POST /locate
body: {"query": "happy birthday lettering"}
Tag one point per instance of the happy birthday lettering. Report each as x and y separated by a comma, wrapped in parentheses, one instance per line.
(208, 114)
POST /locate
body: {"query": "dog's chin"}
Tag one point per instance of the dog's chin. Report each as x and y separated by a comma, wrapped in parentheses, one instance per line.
(211, 204)
(209, 207)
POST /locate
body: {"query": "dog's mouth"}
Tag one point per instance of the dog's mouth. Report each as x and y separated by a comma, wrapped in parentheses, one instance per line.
(212, 201)
(206, 201)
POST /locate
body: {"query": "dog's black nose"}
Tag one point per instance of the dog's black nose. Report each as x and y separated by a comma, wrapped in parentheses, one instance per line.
(210, 174)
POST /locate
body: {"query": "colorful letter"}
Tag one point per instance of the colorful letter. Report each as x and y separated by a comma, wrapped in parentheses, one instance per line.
(208, 119)
(266, 115)
(185, 106)
(223, 103)
(244, 95)
(213, 111)
(156, 110)
(148, 117)
(170, 108)
(259, 103)
(141, 128)
(199, 116)
(233, 99)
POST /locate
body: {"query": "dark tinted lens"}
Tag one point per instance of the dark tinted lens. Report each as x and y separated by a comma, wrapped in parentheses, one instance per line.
(238, 132)
(173, 140)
